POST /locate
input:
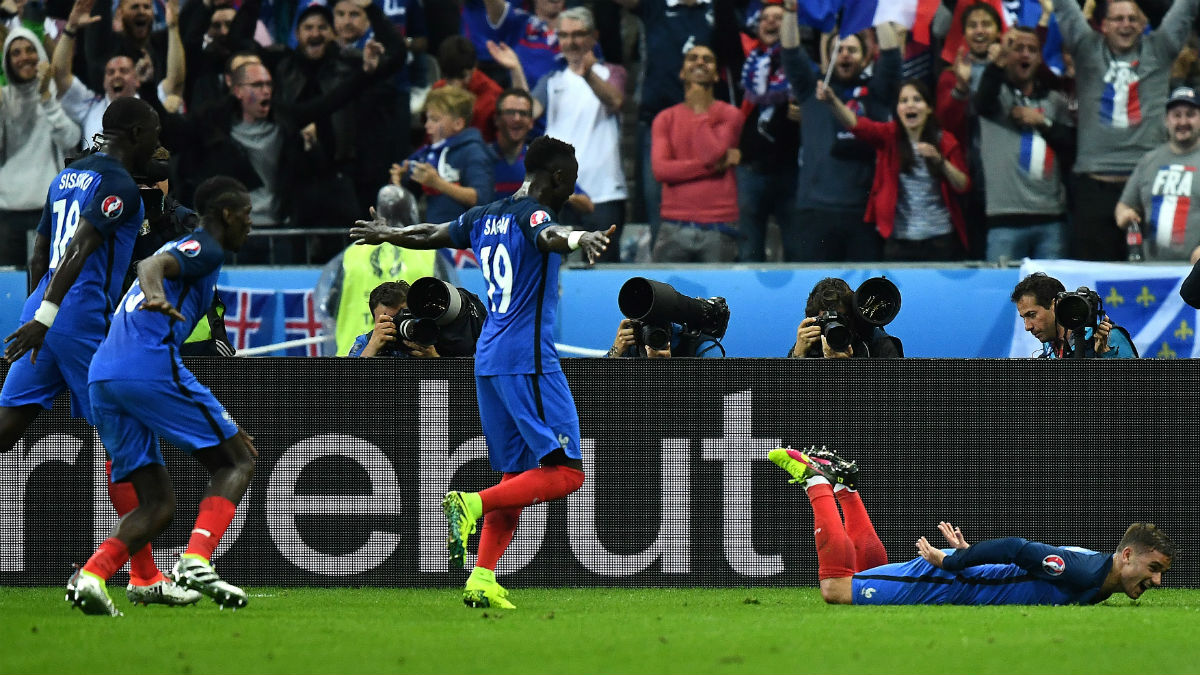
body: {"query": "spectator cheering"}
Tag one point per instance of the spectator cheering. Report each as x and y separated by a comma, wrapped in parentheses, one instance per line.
(1162, 196)
(1121, 78)
(694, 155)
(918, 168)
(1024, 129)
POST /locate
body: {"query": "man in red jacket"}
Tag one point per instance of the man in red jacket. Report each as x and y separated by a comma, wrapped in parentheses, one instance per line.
(693, 153)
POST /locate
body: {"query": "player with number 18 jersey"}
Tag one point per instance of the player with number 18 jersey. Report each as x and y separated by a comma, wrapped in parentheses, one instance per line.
(100, 189)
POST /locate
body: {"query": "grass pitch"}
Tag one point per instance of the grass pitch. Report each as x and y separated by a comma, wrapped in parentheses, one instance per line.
(750, 630)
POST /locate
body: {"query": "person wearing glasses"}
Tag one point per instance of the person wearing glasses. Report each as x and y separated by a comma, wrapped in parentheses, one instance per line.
(514, 128)
(1122, 78)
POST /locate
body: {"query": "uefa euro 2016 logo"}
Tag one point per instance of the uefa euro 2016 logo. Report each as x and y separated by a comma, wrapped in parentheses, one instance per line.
(1054, 565)
(112, 206)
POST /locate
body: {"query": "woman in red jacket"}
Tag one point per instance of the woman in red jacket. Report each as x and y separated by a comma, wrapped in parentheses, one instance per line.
(917, 167)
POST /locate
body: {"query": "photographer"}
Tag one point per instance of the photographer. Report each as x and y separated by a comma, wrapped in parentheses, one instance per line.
(388, 300)
(830, 305)
(629, 336)
(1037, 297)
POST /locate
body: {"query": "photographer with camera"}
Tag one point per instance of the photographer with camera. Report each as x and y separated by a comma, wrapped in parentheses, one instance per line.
(632, 334)
(1069, 324)
(660, 322)
(388, 301)
(839, 325)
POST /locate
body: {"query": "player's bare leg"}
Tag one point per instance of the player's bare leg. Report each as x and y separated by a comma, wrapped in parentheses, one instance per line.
(13, 423)
(231, 465)
(156, 506)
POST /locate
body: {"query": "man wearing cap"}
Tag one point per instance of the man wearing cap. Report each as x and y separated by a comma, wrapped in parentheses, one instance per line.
(1121, 77)
(1163, 195)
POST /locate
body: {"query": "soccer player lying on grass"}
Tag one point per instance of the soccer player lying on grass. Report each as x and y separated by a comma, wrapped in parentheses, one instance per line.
(140, 390)
(853, 569)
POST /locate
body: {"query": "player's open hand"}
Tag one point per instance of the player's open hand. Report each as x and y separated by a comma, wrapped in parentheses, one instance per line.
(374, 231)
(27, 338)
(953, 535)
(595, 243)
(162, 306)
(934, 556)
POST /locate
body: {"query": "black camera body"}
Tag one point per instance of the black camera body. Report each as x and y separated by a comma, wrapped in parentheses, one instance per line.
(650, 335)
(835, 330)
(1079, 309)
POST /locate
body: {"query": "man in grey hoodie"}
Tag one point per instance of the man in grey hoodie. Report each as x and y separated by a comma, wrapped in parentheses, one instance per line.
(34, 135)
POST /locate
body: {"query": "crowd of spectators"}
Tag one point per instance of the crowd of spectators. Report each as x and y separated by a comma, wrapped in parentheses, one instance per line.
(735, 112)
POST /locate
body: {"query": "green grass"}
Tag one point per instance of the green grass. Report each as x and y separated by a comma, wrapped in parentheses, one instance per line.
(753, 630)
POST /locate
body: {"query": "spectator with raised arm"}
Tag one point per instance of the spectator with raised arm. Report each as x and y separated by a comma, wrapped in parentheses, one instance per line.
(1121, 79)
(836, 169)
(121, 77)
(582, 102)
(35, 134)
(919, 168)
(1025, 128)
(531, 35)
(770, 141)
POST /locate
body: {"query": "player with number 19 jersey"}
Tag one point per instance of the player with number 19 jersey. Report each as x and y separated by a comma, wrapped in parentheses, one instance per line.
(525, 404)
(522, 285)
(98, 188)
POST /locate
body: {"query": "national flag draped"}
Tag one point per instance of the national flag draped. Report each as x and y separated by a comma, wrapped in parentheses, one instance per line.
(1144, 299)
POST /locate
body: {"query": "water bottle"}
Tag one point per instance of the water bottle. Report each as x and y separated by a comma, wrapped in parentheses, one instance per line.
(1133, 242)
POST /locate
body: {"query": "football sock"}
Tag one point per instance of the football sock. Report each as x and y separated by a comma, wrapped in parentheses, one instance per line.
(543, 484)
(215, 515)
(108, 558)
(498, 528)
(835, 551)
(869, 551)
(142, 569)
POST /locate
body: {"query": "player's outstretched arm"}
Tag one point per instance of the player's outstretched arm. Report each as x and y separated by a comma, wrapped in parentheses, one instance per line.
(29, 337)
(560, 239)
(421, 236)
(151, 273)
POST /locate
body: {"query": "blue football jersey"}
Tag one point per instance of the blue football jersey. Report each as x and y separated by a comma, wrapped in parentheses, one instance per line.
(98, 188)
(1010, 571)
(144, 345)
(522, 285)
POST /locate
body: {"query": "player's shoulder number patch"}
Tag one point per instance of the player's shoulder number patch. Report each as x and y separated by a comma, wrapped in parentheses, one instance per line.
(190, 248)
(112, 206)
(538, 217)
(1054, 565)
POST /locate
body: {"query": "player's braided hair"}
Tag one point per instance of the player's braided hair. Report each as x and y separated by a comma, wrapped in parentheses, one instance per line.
(217, 193)
(549, 154)
(1147, 537)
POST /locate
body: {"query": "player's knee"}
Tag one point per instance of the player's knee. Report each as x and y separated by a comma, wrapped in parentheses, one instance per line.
(161, 511)
(836, 591)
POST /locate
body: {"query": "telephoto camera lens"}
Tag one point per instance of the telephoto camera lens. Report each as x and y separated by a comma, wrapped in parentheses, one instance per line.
(421, 331)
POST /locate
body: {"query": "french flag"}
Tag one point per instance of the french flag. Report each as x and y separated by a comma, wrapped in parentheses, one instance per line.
(1169, 212)
(1037, 158)
(860, 15)
(1120, 105)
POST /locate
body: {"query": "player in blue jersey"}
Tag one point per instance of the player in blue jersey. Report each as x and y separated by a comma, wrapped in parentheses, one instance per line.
(853, 569)
(140, 392)
(92, 216)
(526, 408)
